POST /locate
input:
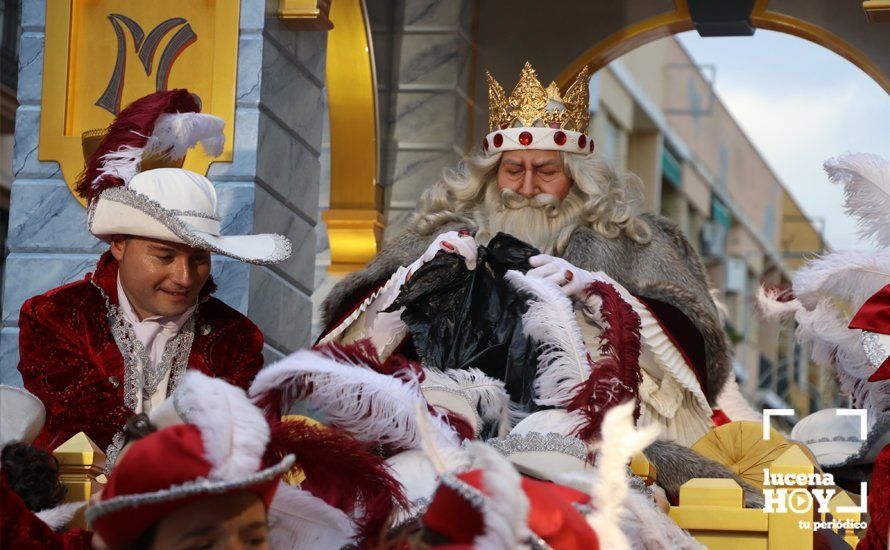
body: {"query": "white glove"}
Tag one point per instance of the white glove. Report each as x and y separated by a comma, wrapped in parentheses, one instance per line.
(461, 243)
(573, 280)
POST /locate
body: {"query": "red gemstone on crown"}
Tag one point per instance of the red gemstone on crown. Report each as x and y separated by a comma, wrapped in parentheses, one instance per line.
(485, 145)
(591, 146)
(498, 140)
(525, 138)
(582, 141)
(559, 138)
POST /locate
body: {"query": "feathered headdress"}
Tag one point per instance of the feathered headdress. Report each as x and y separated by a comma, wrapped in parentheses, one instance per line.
(830, 289)
(163, 124)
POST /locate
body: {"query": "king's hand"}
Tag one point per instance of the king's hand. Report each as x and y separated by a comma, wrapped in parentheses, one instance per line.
(571, 279)
(460, 242)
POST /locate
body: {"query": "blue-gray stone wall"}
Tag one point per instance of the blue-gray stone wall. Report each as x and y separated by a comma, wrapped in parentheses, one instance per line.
(271, 185)
(424, 52)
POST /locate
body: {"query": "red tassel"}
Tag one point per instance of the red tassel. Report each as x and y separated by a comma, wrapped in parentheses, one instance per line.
(616, 377)
(340, 471)
(132, 127)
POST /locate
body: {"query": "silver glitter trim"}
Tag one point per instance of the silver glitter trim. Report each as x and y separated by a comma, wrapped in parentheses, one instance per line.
(851, 438)
(537, 442)
(469, 493)
(196, 487)
(174, 359)
(122, 195)
(459, 393)
(873, 349)
(194, 214)
(416, 509)
(113, 451)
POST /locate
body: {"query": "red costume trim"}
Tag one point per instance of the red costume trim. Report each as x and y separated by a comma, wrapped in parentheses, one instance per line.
(21, 529)
(68, 357)
(876, 536)
(874, 316)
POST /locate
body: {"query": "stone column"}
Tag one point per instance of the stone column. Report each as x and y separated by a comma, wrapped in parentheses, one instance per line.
(271, 185)
(425, 53)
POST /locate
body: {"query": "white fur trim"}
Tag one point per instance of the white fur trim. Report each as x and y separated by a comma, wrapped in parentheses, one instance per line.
(734, 405)
(542, 140)
(505, 515)
(58, 517)
(234, 431)
(300, 521)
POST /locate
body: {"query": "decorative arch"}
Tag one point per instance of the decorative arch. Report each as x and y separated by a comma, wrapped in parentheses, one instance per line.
(680, 20)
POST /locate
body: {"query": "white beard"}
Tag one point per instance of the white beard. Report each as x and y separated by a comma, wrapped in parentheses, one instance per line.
(538, 226)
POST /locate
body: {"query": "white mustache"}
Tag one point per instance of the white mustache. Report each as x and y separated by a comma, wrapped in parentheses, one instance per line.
(514, 201)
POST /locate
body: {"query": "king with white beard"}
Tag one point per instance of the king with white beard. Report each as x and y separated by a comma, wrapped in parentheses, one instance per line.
(537, 178)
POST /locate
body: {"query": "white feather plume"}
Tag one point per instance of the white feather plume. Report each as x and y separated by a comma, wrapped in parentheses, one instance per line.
(648, 528)
(550, 322)
(300, 521)
(866, 180)
(175, 133)
(849, 276)
(505, 514)
(771, 307)
(59, 516)
(621, 440)
(123, 163)
(234, 431)
(488, 395)
(374, 407)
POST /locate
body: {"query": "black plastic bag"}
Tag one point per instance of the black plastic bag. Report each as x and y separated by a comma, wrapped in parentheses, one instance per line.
(461, 319)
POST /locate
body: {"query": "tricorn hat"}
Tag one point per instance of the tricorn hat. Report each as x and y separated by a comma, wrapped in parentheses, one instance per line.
(170, 204)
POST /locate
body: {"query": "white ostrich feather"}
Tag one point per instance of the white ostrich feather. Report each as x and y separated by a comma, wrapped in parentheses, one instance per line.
(59, 516)
(175, 133)
(850, 276)
(505, 514)
(620, 442)
(866, 180)
(648, 528)
(488, 395)
(550, 322)
(772, 308)
(234, 431)
(123, 163)
(374, 407)
(300, 521)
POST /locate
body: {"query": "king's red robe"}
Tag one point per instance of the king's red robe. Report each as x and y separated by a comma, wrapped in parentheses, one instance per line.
(69, 357)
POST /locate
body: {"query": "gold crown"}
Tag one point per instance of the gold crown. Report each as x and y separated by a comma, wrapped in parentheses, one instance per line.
(529, 100)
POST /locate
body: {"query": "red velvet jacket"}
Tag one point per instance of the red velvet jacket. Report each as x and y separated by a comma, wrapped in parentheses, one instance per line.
(21, 529)
(69, 358)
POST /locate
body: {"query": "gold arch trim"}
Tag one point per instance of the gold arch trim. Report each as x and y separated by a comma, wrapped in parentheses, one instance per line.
(355, 220)
(660, 26)
(627, 39)
(774, 21)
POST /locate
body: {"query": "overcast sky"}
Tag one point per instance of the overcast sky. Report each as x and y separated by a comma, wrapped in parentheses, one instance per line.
(800, 104)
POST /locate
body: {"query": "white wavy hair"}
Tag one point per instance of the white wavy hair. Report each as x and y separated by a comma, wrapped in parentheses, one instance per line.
(600, 198)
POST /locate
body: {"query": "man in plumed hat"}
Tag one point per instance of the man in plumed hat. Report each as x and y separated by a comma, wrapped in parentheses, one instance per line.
(116, 343)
